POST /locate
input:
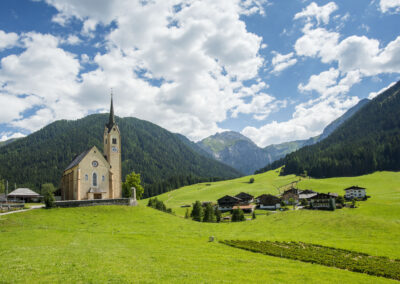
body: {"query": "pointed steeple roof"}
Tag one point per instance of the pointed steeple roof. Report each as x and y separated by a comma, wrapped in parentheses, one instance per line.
(111, 120)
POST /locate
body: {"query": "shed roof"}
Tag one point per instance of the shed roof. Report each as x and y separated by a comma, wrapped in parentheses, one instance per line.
(23, 192)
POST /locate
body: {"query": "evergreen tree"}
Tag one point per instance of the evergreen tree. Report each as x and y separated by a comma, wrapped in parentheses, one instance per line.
(197, 212)
(254, 215)
(209, 213)
(217, 214)
(238, 215)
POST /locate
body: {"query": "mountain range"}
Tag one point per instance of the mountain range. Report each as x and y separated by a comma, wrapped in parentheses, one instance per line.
(148, 149)
(239, 152)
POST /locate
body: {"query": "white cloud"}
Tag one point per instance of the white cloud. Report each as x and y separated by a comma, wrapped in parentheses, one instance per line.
(321, 13)
(317, 42)
(389, 6)
(372, 95)
(199, 53)
(309, 119)
(42, 75)
(72, 40)
(261, 105)
(280, 62)
(8, 40)
(4, 136)
(327, 84)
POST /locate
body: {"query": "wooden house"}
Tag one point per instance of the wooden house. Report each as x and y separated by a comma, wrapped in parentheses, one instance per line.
(268, 201)
(227, 202)
(323, 201)
(292, 193)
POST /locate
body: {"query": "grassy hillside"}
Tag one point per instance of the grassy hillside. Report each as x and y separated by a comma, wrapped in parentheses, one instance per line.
(125, 244)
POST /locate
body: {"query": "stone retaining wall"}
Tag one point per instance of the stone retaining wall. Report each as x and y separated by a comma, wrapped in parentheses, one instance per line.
(94, 202)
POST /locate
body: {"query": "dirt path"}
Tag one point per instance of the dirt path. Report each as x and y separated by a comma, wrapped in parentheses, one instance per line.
(23, 210)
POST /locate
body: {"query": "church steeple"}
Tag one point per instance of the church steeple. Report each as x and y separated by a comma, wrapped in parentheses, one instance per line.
(111, 120)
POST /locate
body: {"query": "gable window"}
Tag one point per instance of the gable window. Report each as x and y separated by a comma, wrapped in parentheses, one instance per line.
(94, 179)
(114, 140)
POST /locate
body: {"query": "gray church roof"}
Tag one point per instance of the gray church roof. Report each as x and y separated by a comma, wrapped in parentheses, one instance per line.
(23, 192)
(77, 159)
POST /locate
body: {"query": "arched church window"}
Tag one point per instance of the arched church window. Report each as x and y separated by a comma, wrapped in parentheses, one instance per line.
(102, 178)
(86, 177)
(114, 140)
(94, 179)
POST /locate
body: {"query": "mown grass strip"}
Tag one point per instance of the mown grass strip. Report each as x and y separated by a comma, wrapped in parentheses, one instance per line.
(328, 256)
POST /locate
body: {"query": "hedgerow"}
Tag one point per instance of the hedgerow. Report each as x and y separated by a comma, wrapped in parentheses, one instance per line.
(328, 256)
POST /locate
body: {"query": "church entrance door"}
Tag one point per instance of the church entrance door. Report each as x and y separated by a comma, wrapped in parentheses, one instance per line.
(97, 196)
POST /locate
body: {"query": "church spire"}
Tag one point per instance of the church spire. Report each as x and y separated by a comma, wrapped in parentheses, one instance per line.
(111, 120)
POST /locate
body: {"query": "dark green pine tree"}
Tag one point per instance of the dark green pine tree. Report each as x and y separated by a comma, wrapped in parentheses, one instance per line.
(238, 215)
(209, 215)
(197, 212)
(217, 214)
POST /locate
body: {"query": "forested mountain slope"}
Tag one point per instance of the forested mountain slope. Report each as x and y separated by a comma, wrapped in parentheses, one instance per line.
(369, 141)
(148, 149)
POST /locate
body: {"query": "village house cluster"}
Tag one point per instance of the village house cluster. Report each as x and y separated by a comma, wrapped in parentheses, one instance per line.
(305, 198)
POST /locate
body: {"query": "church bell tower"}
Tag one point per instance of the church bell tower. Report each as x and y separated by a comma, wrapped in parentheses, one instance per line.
(112, 152)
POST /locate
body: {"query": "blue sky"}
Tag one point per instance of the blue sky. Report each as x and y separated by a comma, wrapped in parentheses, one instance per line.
(275, 71)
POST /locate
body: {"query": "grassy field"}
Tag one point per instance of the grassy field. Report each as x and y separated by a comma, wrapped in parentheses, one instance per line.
(140, 244)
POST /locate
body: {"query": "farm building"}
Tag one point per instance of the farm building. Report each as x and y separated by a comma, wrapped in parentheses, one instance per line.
(227, 202)
(245, 197)
(268, 201)
(307, 194)
(323, 201)
(355, 192)
(292, 193)
(23, 194)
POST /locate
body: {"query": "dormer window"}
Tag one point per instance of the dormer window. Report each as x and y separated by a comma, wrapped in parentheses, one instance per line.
(114, 140)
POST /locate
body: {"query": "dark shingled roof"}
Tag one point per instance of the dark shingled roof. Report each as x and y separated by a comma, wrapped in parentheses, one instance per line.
(244, 196)
(268, 199)
(354, 187)
(77, 159)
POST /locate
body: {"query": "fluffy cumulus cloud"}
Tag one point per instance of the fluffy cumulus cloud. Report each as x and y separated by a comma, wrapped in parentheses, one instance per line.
(309, 119)
(390, 6)
(43, 76)
(181, 64)
(280, 61)
(320, 13)
(7, 40)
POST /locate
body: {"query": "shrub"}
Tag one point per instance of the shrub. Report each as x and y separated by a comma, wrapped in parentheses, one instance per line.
(254, 215)
(238, 215)
(251, 180)
(49, 199)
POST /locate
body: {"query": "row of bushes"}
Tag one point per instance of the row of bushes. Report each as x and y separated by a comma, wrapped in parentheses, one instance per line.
(159, 205)
(210, 213)
(328, 256)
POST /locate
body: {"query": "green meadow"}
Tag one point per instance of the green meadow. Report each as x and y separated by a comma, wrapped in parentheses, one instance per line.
(138, 244)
